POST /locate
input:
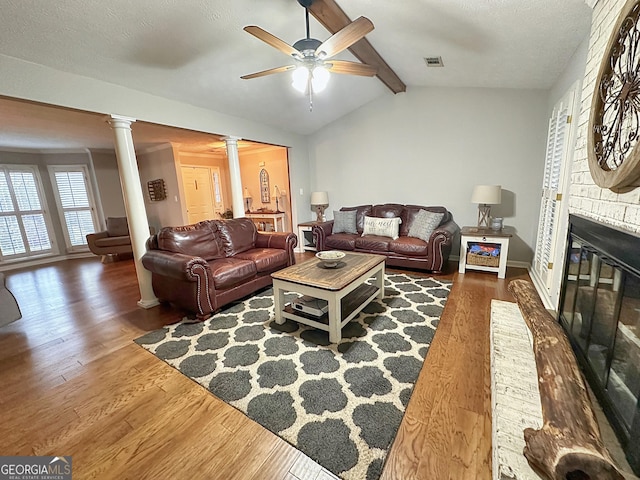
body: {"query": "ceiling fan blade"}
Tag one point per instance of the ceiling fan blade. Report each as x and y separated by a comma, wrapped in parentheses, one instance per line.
(344, 38)
(272, 40)
(268, 72)
(351, 68)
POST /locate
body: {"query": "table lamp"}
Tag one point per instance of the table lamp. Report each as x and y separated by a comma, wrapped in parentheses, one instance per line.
(320, 200)
(485, 196)
(247, 198)
(276, 194)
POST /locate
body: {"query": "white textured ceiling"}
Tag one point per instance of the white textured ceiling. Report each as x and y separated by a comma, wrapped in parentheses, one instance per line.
(195, 51)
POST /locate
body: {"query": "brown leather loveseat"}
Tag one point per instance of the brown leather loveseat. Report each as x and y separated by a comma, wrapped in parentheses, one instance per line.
(204, 266)
(408, 250)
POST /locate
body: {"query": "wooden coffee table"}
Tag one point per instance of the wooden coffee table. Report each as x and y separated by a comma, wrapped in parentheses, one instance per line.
(344, 288)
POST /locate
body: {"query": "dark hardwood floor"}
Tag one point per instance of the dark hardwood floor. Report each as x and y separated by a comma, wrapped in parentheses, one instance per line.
(74, 383)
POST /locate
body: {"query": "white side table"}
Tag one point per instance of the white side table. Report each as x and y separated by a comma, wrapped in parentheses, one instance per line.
(484, 236)
(276, 218)
(305, 237)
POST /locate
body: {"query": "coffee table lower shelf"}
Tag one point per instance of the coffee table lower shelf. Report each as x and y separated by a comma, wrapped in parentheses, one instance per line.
(351, 305)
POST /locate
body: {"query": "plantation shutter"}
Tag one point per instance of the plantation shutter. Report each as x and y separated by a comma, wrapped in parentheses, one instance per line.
(23, 225)
(76, 204)
(556, 153)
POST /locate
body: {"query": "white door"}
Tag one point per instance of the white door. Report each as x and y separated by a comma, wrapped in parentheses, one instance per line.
(552, 224)
(199, 193)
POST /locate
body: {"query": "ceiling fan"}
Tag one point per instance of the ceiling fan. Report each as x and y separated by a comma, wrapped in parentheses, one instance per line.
(313, 57)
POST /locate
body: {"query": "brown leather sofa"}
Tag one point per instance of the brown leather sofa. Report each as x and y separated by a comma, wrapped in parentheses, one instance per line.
(204, 266)
(405, 251)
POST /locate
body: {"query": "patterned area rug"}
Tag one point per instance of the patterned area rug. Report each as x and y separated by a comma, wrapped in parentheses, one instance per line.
(340, 404)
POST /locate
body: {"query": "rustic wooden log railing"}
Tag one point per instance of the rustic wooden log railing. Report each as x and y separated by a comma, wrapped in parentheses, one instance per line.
(568, 446)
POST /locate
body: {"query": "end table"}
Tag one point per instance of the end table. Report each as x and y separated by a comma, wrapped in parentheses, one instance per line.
(487, 238)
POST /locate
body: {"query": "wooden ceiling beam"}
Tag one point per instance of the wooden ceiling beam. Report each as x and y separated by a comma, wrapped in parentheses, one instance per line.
(333, 18)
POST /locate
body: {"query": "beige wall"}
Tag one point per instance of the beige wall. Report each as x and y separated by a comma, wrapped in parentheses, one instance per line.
(276, 164)
(431, 146)
(586, 198)
(161, 163)
(109, 189)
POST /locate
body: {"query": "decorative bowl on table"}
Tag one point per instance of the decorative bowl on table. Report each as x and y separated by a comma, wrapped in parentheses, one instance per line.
(330, 258)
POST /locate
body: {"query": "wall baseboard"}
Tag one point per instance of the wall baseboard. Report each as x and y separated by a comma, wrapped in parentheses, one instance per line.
(44, 260)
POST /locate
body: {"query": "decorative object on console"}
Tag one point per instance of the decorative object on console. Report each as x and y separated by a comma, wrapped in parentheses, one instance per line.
(485, 196)
(612, 141)
(321, 201)
(276, 194)
(383, 227)
(247, 198)
(496, 223)
(157, 190)
(264, 186)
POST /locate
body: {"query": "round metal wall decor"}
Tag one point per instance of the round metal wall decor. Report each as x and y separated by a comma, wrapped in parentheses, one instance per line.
(614, 123)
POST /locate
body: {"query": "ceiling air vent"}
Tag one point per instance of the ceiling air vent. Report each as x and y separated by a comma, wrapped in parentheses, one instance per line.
(433, 61)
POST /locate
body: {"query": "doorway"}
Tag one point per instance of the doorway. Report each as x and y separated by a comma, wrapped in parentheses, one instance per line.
(203, 193)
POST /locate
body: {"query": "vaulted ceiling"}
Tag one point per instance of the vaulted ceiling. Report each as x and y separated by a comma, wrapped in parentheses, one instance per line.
(195, 51)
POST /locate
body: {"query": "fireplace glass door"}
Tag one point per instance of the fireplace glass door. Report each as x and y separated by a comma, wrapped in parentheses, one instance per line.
(600, 311)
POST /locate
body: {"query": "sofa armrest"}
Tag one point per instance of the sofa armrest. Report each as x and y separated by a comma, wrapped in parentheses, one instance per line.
(92, 237)
(320, 232)
(441, 242)
(282, 240)
(175, 265)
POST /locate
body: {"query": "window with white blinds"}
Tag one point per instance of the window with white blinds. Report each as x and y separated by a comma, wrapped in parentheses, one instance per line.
(24, 229)
(75, 202)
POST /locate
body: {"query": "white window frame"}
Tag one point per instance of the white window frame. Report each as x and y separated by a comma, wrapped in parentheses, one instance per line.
(53, 169)
(44, 211)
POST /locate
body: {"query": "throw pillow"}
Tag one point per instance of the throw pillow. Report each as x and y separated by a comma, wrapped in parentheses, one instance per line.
(383, 227)
(424, 223)
(117, 226)
(344, 222)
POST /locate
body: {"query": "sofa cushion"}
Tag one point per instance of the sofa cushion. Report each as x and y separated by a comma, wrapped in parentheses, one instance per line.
(341, 241)
(200, 240)
(384, 227)
(410, 246)
(266, 259)
(113, 241)
(361, 212)
(344, 221)
(424, 223)
(373, 242)
(117, 226)
(237, 235)
(409, 214)
(229, 272)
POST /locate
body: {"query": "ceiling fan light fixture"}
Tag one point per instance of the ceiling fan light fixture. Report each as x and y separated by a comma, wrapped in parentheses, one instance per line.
(300, 79)
(319, 78)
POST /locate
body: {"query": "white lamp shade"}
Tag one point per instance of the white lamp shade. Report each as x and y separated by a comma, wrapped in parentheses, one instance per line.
(246, 193)
(276, 192)
(487, 194)
(319, 198)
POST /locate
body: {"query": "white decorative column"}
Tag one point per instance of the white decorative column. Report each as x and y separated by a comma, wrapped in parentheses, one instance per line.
(133, 203)
(234, 173)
